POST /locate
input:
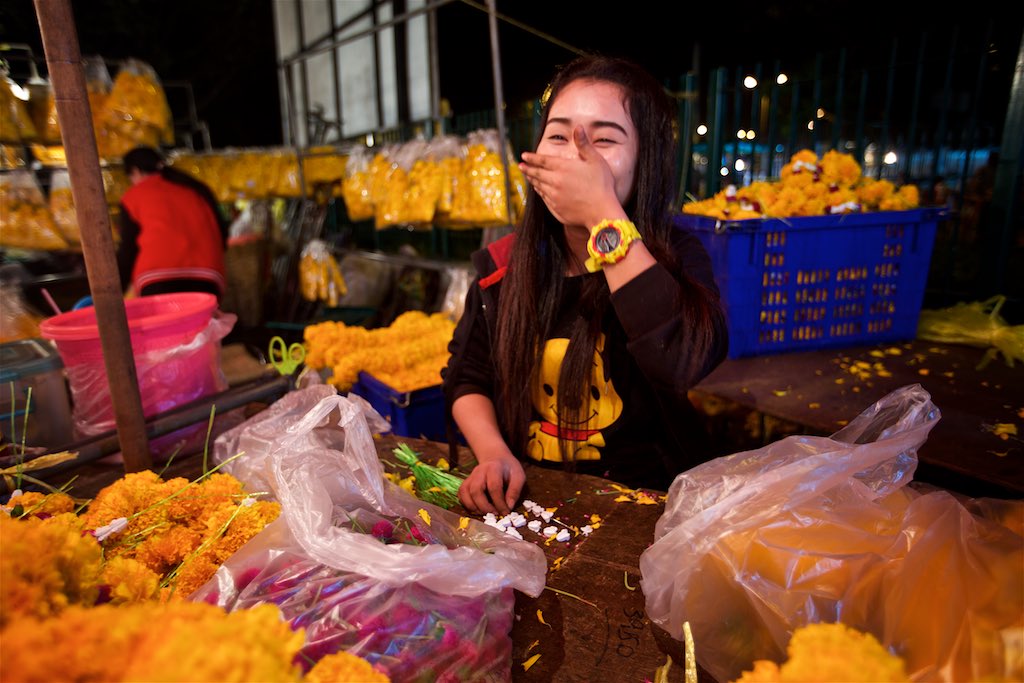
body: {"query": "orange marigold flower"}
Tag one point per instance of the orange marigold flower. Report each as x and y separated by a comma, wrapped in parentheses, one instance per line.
(45, 567)
(165, 549)
(34, 503)
(129, 580)
(342, 667)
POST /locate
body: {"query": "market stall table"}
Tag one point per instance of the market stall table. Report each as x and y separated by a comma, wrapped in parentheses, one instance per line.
(972, 450)
(589, 623)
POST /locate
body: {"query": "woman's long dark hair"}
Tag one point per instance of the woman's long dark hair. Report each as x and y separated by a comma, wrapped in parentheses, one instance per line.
(532, 288)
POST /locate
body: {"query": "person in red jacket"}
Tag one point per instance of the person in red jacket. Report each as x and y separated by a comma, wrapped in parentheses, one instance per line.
(173, 235)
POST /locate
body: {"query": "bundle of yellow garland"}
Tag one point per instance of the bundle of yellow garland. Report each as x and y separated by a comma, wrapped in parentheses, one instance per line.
(809, 186)
(407, 355)
(830, 653)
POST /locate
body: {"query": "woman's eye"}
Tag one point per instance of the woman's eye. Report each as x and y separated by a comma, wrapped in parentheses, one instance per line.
(557, 136)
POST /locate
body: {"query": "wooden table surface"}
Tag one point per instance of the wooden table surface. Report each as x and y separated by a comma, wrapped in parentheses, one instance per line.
(817, 392)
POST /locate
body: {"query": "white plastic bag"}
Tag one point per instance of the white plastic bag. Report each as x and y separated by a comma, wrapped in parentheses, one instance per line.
(363, 565)
(824, 529)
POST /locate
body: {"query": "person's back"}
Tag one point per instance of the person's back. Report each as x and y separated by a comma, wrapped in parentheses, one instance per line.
(172, 237)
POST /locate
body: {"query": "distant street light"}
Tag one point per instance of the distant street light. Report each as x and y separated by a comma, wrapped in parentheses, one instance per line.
(750, 82)
(702, 129)
(740, 164)
(741, 134)
(782, 79)
(724, 171)
(750, 134)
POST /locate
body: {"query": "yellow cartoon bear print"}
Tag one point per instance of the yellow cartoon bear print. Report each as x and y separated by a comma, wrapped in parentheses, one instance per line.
(585, 439)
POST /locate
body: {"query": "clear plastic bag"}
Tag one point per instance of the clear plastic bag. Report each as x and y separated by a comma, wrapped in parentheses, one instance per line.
(364, 566)
(459, 280)
(824, 529)
(480, 190)
(15, 123)
(355, 186)
(320, 278)
(27, 223)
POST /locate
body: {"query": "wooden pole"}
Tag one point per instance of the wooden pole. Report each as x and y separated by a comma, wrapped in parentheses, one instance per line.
(64, 60)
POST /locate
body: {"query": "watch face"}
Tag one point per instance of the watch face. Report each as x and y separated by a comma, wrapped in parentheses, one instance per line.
(607, 240)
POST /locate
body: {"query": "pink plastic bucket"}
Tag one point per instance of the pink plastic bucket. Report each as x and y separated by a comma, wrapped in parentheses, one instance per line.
(176, 347)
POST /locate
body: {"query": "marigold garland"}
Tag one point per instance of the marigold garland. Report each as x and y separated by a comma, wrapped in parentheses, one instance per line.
(809, 186)
(407, 355)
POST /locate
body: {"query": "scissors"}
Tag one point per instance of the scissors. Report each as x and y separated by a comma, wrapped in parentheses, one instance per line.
(286, 358)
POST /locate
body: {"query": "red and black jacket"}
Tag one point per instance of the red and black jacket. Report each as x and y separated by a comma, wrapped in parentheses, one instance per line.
(649, 350)
(169, 231)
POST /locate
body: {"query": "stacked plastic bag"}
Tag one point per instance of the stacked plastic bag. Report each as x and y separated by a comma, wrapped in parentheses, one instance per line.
(127, 111)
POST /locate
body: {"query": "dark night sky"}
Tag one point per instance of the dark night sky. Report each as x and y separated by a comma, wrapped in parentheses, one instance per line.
(226, 48)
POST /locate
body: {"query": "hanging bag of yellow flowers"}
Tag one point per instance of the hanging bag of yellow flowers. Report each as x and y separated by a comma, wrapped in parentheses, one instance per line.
(364, 566)
(817, 529)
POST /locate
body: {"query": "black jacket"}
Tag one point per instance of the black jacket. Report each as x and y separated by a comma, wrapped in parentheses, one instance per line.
(649, 359)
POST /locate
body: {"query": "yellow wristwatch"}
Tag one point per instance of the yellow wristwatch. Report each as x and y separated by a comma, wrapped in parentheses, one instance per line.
(609, 241)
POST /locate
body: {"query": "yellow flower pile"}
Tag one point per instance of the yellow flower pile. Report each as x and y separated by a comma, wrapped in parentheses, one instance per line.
(27, 222)
(830, 653)
(182, 531)
(407, 355)
(142, 538)
(809, 186)
(166, 642)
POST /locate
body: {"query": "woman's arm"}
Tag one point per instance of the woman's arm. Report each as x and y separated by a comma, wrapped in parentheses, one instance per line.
(497, 480)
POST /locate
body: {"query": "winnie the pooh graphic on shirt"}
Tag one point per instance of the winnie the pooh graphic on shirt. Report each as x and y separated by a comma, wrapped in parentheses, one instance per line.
(585, 438)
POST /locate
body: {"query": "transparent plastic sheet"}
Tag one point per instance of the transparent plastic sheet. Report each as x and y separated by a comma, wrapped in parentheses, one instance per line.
(459, 280)
(167, 378)
(823, 529)
(364, 566)
(256, 437)
(975, 324)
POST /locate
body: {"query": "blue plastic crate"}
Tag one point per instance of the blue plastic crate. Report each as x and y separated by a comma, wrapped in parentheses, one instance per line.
(819, 281)
(417, 414)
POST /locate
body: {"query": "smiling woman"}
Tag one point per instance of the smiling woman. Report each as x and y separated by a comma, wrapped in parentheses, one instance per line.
(587, 326)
